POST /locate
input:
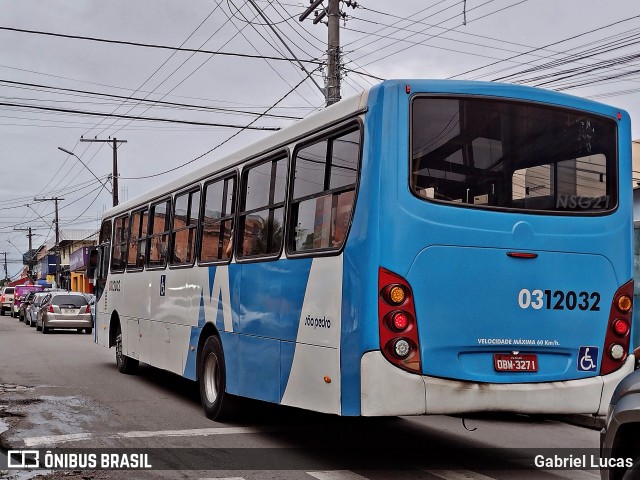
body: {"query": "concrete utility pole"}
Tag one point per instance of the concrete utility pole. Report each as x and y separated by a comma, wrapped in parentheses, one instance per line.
(29, 235)
(57, 222)
(334, 63)
(114, 145)
(6, 272)
(333, 53)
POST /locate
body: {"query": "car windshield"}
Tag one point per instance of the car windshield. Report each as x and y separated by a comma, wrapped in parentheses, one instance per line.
(75, 300)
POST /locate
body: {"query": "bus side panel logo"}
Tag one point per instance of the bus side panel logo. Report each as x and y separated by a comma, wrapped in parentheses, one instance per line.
(163, 282)
(588, 359)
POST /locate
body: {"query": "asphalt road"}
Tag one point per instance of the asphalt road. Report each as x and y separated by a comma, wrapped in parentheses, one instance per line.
(61, 391)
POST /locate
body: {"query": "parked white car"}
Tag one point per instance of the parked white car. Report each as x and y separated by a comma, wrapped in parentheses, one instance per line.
(6, 299)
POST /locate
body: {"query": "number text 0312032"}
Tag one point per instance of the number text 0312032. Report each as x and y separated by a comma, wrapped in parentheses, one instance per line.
(559, 300)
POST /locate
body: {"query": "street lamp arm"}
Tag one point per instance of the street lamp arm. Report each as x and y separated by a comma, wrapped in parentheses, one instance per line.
(85, 166)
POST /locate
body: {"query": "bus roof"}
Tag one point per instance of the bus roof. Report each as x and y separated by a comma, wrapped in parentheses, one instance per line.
(350, 106)
(341, 110)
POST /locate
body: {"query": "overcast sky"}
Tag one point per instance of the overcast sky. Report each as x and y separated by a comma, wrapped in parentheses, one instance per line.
(589, 48)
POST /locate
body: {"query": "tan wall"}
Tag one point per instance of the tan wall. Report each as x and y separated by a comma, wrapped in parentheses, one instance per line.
(80, 283)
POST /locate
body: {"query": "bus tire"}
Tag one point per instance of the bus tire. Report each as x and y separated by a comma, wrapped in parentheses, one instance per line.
(125, 364)
(216, 402)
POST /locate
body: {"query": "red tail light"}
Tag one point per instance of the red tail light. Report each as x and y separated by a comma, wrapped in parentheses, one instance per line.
(2, 299)
(88, 309)
(616, 342)
(397, 322)
(50, 309)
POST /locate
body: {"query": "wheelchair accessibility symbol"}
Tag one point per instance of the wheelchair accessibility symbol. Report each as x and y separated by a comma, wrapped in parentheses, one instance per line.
(588, 359)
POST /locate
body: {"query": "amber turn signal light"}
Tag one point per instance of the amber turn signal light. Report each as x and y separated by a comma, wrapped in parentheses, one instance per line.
(624, 303)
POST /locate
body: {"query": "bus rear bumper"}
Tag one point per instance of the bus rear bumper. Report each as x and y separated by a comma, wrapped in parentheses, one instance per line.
(387, 390)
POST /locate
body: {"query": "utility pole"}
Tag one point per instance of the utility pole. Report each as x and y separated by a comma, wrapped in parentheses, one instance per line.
(334, 62)
(29, 235)
(57, 222)
(333, 53)
(114, 145)
(6, 272)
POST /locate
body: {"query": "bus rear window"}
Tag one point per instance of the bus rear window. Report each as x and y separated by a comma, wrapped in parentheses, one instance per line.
(512, 155)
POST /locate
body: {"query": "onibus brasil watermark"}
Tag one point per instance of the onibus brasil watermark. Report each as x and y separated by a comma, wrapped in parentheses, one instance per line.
(34, 459)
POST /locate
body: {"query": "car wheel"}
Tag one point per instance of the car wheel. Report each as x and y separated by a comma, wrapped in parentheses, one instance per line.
(634, 472)
(88, 330)
(125, 364)
(2, 311)
(216, 402)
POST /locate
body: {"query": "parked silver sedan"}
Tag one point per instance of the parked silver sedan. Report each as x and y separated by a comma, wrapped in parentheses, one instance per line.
(32, 310)
(69, 310)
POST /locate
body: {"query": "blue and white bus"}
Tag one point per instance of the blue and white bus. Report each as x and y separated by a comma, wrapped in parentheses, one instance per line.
(424, 247)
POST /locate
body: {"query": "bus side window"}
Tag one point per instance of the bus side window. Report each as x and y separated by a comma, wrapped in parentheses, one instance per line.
(262, 208)
(185, 223)
(137, 239)
(217, 220)
(158, 241)
(105, 232)
(119, 245)
(325, 177)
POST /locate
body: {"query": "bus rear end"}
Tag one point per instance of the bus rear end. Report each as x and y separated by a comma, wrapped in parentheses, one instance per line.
(505, 255)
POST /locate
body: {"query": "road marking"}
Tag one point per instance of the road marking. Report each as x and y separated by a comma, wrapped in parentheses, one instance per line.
(71, 437)
(222, 478)
(470, 475)
(196, 432)
(574, 474)
(336, 475)
(200, 432)
(458, 475)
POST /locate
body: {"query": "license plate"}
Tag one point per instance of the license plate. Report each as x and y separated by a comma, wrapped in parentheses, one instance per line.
(508, 362)
(68, 311)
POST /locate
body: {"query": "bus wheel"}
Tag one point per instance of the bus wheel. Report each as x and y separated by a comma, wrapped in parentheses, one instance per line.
(217, 403)
(125, 364)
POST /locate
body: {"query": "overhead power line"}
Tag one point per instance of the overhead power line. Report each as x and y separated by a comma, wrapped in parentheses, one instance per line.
(132, 117)
(544, 47)
(146, 100)
(221, 143)
(153, 45)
